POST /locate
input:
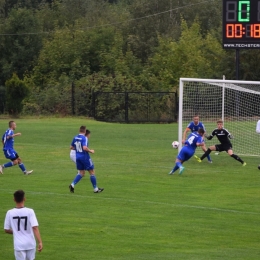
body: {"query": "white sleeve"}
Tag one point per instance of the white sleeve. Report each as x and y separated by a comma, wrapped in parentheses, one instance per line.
(33, 219)
(7, 224)
(258, 127)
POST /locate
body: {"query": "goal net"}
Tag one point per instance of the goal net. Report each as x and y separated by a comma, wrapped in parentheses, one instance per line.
(237, 103)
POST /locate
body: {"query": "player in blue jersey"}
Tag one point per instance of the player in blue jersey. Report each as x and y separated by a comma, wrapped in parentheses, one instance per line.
(83, 160)
(187, 151)
(9, 152)
(194, 126)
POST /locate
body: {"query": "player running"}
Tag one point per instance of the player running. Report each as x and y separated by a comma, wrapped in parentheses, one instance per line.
(194, 126)
(9, 152)
(187, 151)
(83, 160)
(225, 145)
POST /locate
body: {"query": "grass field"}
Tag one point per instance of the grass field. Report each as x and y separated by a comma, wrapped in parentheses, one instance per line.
(212, 211)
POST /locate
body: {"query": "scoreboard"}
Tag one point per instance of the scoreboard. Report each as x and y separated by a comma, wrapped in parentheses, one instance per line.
(241, 24)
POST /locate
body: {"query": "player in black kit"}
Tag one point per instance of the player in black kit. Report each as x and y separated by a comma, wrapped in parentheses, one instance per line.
(225, 145)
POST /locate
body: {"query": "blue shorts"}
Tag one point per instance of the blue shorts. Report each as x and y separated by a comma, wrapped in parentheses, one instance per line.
(11, 154)
(185, 154)
(84, 164)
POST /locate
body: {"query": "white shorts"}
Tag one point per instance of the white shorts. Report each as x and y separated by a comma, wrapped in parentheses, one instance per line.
(73, 155)
(25, 254)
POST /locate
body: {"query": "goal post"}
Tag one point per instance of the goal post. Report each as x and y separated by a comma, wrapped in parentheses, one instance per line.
(236, 102)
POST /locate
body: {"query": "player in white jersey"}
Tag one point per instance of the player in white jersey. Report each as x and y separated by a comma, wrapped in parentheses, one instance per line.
(258, 127)
(22, 223)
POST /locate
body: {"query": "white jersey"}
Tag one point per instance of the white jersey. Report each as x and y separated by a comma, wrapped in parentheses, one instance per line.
(73, 155)
(21, 221)
(258, 127)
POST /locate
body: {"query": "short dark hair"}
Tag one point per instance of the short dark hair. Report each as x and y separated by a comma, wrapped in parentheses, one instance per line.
(87, 132)
(220, 121)
(201, 131)
(10, 123)
(82, 129)
(19, 196)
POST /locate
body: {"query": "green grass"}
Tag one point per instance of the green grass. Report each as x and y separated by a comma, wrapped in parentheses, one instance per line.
(212, 211)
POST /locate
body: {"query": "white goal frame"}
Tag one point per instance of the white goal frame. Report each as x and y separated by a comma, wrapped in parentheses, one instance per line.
(224, 86)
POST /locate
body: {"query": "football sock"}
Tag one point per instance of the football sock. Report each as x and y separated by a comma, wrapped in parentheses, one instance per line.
(9, 164)
(179, 164)
(21, 166)
(93, 181)
(205, 154)
(76, 180)
(237, 158)
(208, 157)
(176, 167)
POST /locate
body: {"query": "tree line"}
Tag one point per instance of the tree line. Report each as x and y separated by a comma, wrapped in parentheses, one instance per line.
(109, 45)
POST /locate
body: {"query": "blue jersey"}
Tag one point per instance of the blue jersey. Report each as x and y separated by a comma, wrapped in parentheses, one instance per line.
(195, 128)
(192, 140)
(78, 142)
(8, 142)
(190, 145)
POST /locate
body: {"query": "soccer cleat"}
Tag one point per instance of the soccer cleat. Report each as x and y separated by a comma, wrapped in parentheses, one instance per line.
(97, 190)
(1, 169)
(171, 172)
(71, 188)
(197, 158)
(181, 170)
(210, 161)
(244, 164)
(28, 172)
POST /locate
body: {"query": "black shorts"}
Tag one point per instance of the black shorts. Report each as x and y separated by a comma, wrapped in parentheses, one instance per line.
(223, 147)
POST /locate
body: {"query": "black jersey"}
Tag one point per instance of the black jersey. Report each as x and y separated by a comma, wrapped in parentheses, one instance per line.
(222, 134)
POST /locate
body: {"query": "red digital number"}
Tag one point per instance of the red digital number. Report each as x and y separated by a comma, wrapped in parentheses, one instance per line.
(256, 31)
(230, 32)
(234, 30)
(238, 31)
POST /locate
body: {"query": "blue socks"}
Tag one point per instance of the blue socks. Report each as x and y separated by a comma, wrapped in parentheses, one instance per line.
(21, 166)
(77, 179)
(9, 164)
(179, 164)
(93, 181)
(208, 157)
(176, 167)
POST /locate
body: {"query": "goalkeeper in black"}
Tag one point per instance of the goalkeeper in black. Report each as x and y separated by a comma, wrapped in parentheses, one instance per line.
(225, 145)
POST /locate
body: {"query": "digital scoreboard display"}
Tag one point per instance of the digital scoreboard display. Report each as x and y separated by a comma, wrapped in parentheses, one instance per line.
(241, 24)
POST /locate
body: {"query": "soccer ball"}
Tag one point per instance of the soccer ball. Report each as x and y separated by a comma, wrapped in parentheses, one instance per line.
(259, 167)
(175, 144)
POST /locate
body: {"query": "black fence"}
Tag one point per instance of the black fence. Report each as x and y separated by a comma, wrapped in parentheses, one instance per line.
(103, 106)
(135, 106)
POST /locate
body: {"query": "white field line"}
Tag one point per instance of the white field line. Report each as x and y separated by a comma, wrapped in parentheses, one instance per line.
(139, 201)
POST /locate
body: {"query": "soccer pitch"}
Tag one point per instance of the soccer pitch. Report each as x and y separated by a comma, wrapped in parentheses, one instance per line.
(212, 211)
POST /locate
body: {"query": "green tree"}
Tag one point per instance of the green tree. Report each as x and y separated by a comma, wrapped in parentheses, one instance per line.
(65, 54)
(16, 92)
(192, 56)
(18, 48)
